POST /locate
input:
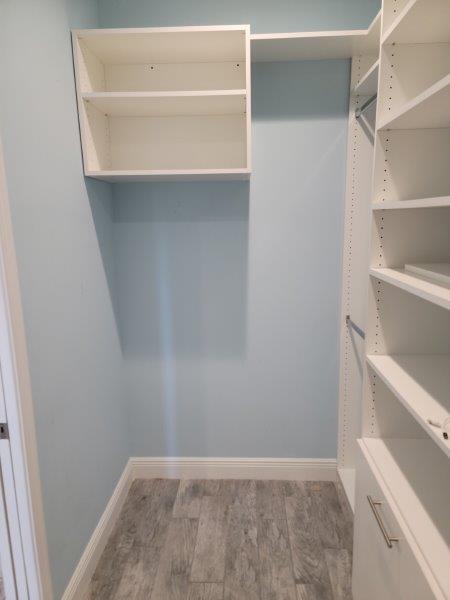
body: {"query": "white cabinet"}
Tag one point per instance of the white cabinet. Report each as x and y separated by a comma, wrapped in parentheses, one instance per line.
(166, 103)
(395, 570)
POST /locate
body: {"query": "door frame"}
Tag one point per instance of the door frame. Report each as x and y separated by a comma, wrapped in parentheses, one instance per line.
(20, 414)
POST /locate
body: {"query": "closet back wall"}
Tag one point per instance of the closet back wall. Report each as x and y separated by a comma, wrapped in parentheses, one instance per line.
(228, 293)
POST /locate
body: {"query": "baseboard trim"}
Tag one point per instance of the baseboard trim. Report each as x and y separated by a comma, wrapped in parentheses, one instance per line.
(297, 469)
(79, 582)
(300, 469)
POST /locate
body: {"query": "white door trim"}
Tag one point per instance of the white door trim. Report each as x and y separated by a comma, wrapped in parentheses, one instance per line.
(19, 409)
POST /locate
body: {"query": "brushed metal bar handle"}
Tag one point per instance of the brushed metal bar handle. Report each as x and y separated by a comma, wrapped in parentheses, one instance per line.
(387, 538)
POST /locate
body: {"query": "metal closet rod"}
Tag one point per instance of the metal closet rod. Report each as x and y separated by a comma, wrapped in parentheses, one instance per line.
(359, 111)
(354, 326)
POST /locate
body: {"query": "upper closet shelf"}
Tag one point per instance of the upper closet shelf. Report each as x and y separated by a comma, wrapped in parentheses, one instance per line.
(316, 45)
(156, 104)
(165, 104)
(420, 22)
(428, 110)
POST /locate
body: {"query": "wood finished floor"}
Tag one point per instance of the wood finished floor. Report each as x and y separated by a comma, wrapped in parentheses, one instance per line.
(228, 540)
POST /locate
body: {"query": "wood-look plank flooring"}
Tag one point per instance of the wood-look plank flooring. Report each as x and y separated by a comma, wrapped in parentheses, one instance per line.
(228, 540)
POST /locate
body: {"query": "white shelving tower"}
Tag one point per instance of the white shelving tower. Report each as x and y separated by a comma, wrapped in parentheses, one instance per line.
(164, 103)
(360, 152)
(402, 513)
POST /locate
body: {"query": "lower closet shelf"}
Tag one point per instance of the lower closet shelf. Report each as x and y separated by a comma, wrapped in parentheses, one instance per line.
(417, 476)
(421, 383)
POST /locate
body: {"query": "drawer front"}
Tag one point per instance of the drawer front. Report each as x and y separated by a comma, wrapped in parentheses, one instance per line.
(382, 569)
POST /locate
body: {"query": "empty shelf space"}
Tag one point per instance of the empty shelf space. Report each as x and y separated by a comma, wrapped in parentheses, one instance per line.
(414, 284)
(165, 45)
(420, 22)
(157, 104)
(418, 203)
(369, 82)
(417, 476)
(421, 383)
(428, 110)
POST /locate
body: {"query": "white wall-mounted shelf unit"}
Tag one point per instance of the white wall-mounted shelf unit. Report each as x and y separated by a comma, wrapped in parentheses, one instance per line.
(164, 103)
(316, 45)
(364, 51)
(403, 461)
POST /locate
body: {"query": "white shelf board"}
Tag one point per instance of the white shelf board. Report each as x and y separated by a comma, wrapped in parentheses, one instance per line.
(347, 477)
(422, 384)
(308, 45)
(423, 288)
(420, 22)
(368, 84)
(417, 477)
(419, 203)
(428, 110)
(184, 175)
(156, 104)
(438, 272)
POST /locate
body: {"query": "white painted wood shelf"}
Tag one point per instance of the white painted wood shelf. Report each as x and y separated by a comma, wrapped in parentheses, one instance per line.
(420, 22)
(435, 202)
(316, 45)
(168, 104)
(159, 104)
(414, 284)
(368, 84)
(429, 110)
(422, 384)
(417, 476)
(148, 175)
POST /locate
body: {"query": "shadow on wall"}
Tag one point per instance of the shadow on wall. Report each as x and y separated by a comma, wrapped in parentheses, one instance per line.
(181, 260)
(304, 90)
(100, 200)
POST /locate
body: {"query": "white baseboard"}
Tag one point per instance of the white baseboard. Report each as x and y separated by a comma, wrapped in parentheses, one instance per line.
(79, 583)
(299, 469)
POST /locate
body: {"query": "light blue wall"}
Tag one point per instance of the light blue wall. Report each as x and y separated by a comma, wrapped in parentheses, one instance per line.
(228, 293)
(263, 15)
(63, 234)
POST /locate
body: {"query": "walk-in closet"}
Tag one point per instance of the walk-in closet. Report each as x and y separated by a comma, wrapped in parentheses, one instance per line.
(224, 300)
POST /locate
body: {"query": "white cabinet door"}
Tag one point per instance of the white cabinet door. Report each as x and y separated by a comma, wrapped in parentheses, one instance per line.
(380, 570)
(376, 568)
